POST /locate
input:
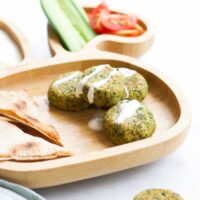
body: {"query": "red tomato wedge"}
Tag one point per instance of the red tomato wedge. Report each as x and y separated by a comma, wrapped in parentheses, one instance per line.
(102, 20)
(100, 8)
(117, 22)
(95, 23)
(96, 15)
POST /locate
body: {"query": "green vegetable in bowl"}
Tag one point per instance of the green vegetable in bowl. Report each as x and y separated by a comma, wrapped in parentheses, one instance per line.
(81, 10)
(76, 19)
(69, 21)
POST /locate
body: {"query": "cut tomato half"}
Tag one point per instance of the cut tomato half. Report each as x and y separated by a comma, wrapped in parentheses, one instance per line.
(117, 22)
(95, 23)
(96, 16)
(102, 20)
(100, 8)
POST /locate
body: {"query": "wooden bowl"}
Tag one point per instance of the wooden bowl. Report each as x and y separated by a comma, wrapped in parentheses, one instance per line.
(130, 46)
(94, 154)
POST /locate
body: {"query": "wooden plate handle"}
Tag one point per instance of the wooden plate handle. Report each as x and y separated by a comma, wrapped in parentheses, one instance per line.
(20, 40)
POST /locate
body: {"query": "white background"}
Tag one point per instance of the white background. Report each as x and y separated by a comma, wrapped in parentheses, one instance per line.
(176, 51)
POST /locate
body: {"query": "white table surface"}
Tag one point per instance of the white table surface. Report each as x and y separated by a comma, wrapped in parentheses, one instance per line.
(176, 51)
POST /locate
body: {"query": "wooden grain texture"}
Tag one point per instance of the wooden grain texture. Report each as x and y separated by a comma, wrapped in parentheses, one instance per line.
(94, 154)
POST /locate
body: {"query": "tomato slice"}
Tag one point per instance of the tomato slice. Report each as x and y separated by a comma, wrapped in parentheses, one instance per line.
(117, 22)
(102, 20)
(95, 23)
(96, 16)
(100, 8)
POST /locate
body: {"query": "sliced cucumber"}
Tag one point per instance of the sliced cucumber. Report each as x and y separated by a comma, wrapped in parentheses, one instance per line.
(81, 10)
(76, 19)
(71, 38)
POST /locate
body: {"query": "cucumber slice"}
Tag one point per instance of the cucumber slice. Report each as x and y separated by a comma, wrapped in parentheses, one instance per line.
(76, 19)
(81, 10)
(69, 35)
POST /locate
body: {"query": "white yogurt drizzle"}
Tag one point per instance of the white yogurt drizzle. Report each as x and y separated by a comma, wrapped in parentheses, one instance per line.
(126, 91)
(127, 109)
(126, 72)
(82, 82)
(97, 84)
(96, 124)
(66, 79)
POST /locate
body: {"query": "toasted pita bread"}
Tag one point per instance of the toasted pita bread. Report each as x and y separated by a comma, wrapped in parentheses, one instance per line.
(6, 119)
(25, 128)
(19, 146)
(22, 108)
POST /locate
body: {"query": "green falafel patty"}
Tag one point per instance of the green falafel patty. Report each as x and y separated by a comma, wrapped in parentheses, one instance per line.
(128, 121)
(135, 84)
(158, 194)
(61, 93)
(102, 86)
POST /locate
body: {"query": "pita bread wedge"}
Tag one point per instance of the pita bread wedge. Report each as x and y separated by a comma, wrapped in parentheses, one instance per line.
(6, 119)
(25, 128)
(22, 108)
(19, 146)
